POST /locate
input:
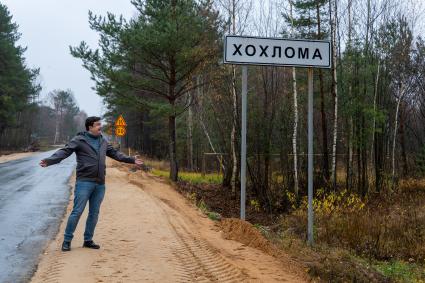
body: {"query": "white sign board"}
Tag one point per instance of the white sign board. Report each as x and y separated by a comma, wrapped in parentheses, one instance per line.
(248, 50)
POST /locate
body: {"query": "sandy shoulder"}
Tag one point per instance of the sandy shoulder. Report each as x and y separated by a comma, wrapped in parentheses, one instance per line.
(15, 156)
(149, 233)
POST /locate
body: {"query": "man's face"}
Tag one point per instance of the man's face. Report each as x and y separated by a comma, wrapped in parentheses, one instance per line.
(96, 129)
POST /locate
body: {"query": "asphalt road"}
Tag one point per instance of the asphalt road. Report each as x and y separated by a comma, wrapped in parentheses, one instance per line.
(32, 202)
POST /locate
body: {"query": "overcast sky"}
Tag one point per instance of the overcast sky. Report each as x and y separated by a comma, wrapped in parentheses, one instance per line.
(48, 28)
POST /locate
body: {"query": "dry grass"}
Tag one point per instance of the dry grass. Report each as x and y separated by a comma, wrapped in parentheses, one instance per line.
(383, 227)
(386, 232)
(156, 163)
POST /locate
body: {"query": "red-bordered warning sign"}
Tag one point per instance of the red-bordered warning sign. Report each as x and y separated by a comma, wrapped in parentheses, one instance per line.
(120, 122)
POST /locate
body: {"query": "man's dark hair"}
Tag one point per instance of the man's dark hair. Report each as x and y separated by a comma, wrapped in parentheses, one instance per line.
(90, 121)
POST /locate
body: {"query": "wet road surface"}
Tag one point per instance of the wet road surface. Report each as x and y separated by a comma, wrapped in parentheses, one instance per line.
(32, 202)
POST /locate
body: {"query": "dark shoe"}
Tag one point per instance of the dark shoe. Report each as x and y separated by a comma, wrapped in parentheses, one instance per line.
(90, 244)
(66, 246)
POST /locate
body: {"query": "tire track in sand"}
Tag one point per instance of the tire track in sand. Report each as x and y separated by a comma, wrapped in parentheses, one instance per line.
(198, 261)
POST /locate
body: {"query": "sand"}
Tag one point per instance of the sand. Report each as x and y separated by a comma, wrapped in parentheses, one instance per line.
(148, 232)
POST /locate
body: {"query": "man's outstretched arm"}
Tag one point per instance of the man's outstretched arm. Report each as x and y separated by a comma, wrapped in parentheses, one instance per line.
(60, 154)
(119, 156)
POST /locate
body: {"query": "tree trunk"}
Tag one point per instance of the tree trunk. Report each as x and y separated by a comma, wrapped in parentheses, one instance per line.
(189, 136)
(378, 162)
(400, 96)
(322, 109)
(295, 130)
(227, 175)
(57, 128)
(365, 181)
(403, 141)
(142, 133)
(172, 148)
(335, 96)
(378, 141)
(233, 140)
(349, 174)
(374, 110)
(359, 163)
(172, 119)
(56, 139)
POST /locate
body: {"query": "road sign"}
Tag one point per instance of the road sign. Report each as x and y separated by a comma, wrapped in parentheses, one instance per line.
(249, 50)
(120, 122)
(277, 51)
(120, 131)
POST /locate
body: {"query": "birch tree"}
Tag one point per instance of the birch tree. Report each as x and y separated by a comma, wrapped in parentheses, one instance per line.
(237, 12)
(334, 17)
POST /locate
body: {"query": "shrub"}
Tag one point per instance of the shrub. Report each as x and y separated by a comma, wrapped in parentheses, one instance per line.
(384, 228)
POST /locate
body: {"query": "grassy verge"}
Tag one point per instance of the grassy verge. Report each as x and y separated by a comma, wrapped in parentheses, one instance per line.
(402, 271)
(192, 177)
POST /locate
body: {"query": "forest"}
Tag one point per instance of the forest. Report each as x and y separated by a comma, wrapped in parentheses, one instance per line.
(164, 73)
(30, 117)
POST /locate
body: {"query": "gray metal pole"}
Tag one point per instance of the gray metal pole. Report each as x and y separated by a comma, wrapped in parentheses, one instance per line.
(310, 157)
(243, 139)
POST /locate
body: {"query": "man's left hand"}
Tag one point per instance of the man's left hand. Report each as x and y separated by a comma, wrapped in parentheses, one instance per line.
(138, 161)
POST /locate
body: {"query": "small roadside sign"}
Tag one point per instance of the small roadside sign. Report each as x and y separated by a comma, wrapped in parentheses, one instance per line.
(120, 125)
(120, 122)
(120, 131)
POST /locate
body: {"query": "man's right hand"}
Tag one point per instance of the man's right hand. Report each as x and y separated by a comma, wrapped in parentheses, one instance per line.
(43, 163)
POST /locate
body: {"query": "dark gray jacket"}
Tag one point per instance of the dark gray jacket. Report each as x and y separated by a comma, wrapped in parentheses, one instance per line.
(90, 164)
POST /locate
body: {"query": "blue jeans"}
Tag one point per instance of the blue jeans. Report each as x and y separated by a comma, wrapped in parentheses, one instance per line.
(85, 191)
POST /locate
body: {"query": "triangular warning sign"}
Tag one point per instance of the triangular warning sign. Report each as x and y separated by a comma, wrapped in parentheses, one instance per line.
(120, 122)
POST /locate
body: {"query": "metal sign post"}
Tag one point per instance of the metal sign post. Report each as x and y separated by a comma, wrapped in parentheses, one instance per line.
(243, 138)
(249, 50)
(310, 237)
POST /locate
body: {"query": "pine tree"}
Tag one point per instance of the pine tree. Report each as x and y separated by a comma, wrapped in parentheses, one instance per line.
(152, 58)
(17, 87)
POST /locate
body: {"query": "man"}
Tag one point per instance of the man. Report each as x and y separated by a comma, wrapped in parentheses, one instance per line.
(91, 149)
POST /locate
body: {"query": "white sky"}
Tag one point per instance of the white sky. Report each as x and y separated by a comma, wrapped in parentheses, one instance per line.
(48, 28)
